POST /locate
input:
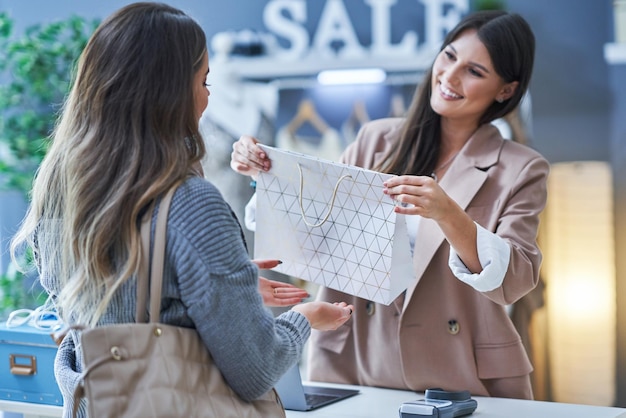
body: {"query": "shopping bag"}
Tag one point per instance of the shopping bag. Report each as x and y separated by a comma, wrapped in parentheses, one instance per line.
(331, 224)
(152, 369)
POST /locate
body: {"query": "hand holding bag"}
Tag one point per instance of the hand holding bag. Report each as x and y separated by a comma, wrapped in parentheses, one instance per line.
(332, 225)
(149, 369)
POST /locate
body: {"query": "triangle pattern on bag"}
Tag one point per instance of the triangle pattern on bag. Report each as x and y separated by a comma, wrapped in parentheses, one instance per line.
(348, 243)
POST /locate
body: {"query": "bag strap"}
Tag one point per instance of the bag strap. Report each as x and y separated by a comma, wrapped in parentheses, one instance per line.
(144, 269)
(154, 276)
(332, 201)
(152, 272)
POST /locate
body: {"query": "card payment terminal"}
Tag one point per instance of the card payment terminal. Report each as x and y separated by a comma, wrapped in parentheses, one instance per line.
(439, 403)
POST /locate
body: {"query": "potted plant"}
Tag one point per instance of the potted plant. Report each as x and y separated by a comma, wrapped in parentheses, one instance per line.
(35, 73)
(489, 5)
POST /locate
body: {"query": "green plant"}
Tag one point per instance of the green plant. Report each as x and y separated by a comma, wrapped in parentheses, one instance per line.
(37, 68)
(20, 290)
(35, 75)
(489, 5)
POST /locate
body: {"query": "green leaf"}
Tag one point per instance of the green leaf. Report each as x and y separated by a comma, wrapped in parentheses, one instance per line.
(35, 69)
(38, 65)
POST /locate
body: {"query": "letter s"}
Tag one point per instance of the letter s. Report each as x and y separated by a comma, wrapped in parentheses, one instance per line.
(277, 22)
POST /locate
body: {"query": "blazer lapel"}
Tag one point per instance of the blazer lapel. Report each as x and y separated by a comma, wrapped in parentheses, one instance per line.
(478, 154)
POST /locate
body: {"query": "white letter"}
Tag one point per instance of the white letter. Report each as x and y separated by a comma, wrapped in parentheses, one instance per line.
(438, 24)
(335, 26)
(276, 22)
(381, 42)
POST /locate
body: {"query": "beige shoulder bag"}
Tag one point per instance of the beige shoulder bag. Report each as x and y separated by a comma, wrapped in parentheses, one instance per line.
(149, 369)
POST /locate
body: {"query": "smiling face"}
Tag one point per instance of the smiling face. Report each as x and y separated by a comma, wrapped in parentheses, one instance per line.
(464, 82)
(201, 91)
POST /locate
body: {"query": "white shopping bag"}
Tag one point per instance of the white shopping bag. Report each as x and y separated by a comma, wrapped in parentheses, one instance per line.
(332, 225)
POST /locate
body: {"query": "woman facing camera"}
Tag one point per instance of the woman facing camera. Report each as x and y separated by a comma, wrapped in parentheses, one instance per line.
(472, 201)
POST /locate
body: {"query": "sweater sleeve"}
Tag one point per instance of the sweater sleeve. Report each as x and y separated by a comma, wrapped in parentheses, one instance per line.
(218, 285)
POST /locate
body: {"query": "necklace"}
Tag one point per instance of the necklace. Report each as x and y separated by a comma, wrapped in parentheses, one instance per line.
(444, 165)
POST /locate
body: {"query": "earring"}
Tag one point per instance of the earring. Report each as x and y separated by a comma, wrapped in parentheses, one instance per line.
(499, 100)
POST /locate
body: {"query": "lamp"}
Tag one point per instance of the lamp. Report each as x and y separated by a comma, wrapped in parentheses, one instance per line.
(352, 76)
(579, 269)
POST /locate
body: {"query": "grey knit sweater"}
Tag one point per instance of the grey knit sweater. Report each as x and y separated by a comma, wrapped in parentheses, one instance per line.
(210, 284)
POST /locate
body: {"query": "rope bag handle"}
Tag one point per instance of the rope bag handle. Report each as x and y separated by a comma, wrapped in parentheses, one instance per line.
(332, 201)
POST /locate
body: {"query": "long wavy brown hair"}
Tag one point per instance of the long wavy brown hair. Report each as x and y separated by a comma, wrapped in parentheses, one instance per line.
(128, 131)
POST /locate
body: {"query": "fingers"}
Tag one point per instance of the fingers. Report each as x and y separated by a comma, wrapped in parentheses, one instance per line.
(344, 315)
(347, 308)
(413, 195)
(247, 157)
(408, 180)
(325, 316)
(407, 184)
(289, 291)
(345, 305)
(288, 296)
(267, 264)
(286, 302)
(275, 293)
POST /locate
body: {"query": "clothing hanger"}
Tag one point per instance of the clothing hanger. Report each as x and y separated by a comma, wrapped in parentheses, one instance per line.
(397, 108)
(307, 114)
(357, 118)
(359, 112)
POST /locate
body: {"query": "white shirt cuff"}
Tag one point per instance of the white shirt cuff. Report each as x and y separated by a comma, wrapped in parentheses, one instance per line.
(250, 214)
(494, 255)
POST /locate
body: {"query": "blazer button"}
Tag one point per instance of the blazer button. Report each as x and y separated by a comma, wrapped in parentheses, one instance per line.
(370, 308)
(453, 327)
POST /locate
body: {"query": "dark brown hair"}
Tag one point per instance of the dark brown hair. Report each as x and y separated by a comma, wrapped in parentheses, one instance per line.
(511, 46)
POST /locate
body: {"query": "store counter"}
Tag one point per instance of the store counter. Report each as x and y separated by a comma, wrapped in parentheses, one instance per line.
(384, 403)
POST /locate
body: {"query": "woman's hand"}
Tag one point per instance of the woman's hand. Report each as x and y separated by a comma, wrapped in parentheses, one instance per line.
(419, 195)
(422, 195)
(280, 293)
(248, 158)
(276, 293)
(325, 316)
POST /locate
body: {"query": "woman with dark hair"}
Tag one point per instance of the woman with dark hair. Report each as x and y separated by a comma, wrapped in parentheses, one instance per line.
(127, 134)
(472, 201)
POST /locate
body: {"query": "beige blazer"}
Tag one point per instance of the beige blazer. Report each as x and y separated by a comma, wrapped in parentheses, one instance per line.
(442, 332)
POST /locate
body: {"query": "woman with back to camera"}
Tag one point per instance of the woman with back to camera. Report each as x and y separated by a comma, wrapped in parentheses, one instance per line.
(473, 202)
(127, 134)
